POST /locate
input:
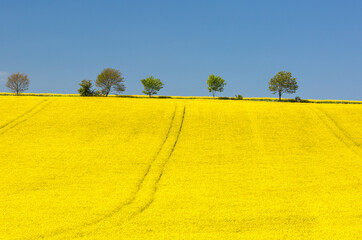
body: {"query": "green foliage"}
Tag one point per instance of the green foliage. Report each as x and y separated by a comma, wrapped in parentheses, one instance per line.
(86, 88)
(215, 84)
(110, 79)
(18, 83)
(298, 99)
(283, 82)
(151, 85)
(239, 97)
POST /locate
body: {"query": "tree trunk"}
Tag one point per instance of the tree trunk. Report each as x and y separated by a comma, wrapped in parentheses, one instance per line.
(280, 95)
(149, 95)
(213, 95)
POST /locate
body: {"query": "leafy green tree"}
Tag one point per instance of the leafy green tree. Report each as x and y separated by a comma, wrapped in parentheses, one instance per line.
(110, 79)
(18, 83)
(151, 85)
(215, 84)
(86, 88)
(283, 82)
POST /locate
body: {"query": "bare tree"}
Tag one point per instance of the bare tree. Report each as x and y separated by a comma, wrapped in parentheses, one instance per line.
(18, 83)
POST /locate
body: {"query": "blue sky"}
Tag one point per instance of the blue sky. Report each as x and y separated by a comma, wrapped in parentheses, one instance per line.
(59, 43)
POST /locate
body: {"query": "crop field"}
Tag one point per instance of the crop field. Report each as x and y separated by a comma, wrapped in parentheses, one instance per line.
(138, 168)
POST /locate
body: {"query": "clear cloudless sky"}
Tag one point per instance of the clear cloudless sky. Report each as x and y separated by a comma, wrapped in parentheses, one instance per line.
(59, 43)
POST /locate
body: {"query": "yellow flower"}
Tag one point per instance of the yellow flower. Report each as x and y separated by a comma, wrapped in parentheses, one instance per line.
(139, 168)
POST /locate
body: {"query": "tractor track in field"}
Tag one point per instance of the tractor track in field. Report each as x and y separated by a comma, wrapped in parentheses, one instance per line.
(163, 167)
(83, 229)
(23, 117)
(341, 135)
(338, 131)
(158, 152)
(117, 209)
(347, 135)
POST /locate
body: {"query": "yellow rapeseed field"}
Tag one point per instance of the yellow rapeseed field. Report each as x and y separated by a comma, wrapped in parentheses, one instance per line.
(139, 168)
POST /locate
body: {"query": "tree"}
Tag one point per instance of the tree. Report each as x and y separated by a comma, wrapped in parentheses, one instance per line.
(110, 79)
(151, 85)
(18, 83)
(283, 82)
(86, 88)
(215, 84)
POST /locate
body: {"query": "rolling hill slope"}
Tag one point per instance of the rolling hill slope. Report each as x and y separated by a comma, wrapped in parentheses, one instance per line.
(115, 168)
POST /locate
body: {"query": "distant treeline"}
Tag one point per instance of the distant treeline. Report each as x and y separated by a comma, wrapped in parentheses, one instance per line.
(111, 80)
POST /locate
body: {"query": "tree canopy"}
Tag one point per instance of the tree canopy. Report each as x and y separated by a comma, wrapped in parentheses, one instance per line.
(283, 82)
(86, 88)
(215, 84)
(151, 85)
(18, 83)
(110, 79)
